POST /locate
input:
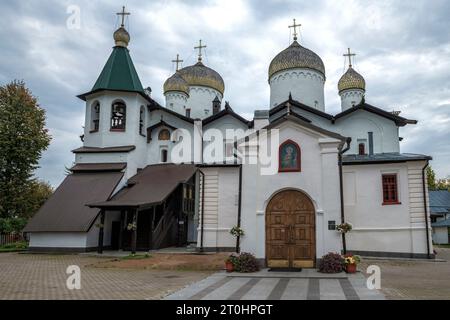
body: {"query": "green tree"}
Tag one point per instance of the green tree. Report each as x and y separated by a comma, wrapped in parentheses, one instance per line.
(23, 138)
(431, 178)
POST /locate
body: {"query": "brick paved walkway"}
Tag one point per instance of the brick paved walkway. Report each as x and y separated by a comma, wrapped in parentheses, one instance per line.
(38, 276)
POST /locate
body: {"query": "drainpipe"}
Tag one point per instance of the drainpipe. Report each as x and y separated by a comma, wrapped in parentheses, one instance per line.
(341, 189)
(238, 238)
(202, 220)
(425, 209)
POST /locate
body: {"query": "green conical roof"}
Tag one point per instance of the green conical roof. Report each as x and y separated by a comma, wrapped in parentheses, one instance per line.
(118, 74)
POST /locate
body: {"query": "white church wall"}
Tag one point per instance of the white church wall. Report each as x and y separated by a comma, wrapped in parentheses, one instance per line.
(440, 235)
(200, 101)
(153, 149)
(221, 207)
(305, 85)
(358, 124)
(104, 137)
(176, 101)
(228, 206)
(350, 98)
(223, 124)
(92, 234)
(318, 163)
(70, 240)
(211, 208)
(378, 227)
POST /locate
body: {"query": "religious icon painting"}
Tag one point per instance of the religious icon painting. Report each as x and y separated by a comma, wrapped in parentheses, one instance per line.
(289, 157)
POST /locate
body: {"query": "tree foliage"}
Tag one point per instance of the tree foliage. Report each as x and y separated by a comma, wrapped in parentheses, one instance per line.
(23, 138)
(436, 184)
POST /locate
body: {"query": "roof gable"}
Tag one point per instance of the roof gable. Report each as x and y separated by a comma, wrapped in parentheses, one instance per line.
(226, 111)
(294, 103)
(399, 121)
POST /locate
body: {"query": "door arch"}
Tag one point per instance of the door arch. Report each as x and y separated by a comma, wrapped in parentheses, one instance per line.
(290, 231)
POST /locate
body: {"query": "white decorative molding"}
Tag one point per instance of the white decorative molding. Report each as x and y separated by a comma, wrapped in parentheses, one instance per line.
(297, 74)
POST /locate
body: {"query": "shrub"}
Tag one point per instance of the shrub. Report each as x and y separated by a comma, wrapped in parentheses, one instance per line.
(331, 263)
(245, 262)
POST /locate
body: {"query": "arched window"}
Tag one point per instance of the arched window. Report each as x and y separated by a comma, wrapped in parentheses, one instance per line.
(289, 157)
(95, 116)
(118, 116)
(164, 134)
(164, 155)
(361, 149)
(142, 121)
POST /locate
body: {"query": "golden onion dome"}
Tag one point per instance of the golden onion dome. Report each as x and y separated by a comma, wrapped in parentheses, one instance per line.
(121, 37)
(201, 75)
(176, 83)
(351, 80)
(296, 56)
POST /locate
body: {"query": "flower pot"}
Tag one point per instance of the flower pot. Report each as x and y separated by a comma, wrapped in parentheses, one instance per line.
(229, 266)
(350, 268)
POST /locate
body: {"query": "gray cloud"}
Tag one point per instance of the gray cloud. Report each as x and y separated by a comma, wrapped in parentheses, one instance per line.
(403, 52)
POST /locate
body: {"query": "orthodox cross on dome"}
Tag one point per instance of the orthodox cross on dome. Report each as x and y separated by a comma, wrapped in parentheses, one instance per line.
(295, 25)
(123, 14)
(200, 47)
(349, 55)
(177, 61)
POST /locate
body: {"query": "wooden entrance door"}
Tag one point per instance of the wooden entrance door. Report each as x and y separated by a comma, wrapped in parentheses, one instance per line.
(290, 231)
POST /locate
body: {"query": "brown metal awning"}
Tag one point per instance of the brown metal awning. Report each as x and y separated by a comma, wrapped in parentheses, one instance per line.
(98, 167)
(150, 186)
(66, 210)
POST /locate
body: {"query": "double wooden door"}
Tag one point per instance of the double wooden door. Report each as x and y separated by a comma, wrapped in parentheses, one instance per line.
(290, 231)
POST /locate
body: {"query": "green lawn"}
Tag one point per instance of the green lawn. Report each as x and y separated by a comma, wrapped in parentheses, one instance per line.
(442, 245)
(136, 257)
(13, 247)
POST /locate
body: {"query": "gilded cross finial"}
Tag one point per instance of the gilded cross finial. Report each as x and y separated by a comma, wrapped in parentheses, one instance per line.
(123, 14)
(349, 55)
(200, 47)
(177, 61)
(295, 25)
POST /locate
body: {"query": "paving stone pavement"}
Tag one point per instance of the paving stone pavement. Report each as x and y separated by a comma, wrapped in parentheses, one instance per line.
(285, 286)
(43, 277)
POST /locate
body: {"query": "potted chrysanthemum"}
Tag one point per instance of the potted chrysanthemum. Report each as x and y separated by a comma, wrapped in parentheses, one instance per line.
(351, 262)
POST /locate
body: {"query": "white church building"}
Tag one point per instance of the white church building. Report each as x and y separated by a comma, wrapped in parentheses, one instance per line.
(149, 176)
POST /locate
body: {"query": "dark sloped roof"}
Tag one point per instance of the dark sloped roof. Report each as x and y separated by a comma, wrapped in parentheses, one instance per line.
(154, 106)
(306, 124)
(353, 159)
(226, 111)
(302, 106)
(66, 210)
(118, 74)
(104, 150)
(98, 167)
(439, 201)
(150, 186)
(400, 121)
(161, 123)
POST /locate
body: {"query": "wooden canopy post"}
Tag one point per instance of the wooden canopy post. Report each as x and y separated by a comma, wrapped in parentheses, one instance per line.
(122, 226)
(134, 232)
(101, 231)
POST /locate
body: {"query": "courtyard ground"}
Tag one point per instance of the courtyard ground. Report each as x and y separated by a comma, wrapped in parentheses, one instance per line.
(418, 279)
(43, 276)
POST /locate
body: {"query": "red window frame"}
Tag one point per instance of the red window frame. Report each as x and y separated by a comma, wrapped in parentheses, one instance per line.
(299, 153)
(362, 149)
(390, 189)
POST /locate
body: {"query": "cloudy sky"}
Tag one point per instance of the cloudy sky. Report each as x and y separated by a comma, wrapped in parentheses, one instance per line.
(403, 51)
